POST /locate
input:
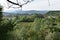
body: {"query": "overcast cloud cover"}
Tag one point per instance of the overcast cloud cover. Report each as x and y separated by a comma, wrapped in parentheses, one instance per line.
(37, 5)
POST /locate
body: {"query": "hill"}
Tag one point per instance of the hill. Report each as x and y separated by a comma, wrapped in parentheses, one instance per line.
(15, 12)
(53, 13)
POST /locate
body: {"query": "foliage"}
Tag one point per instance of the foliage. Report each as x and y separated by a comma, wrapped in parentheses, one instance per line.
(30, 27)
(0, 13)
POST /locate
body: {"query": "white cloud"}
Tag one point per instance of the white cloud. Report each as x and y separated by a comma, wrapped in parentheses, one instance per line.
(39, 5)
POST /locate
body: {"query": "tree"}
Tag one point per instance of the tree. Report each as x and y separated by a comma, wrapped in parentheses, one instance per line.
(0, 13)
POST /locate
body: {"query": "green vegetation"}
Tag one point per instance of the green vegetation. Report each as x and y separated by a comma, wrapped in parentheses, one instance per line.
(31, 27)
(0, 14)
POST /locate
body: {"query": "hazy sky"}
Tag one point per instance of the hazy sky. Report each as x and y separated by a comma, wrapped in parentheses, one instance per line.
(37, 5)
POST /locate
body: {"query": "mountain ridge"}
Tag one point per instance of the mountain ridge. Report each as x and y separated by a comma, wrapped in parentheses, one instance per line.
(14, 12)
(26, 11)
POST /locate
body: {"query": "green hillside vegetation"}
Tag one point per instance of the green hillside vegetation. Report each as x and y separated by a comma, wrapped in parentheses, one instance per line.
(53, 13)
(33, 27)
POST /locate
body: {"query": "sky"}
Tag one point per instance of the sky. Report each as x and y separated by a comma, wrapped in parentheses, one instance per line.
(35, 5)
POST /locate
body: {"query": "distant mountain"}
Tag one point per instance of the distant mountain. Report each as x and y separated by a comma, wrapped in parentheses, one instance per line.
(7, 14)
(14, 12)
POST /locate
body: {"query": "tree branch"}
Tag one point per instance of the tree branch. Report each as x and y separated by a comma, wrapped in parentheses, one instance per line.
(12, 2)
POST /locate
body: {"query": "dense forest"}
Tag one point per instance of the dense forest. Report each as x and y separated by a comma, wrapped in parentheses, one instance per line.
(30, 27)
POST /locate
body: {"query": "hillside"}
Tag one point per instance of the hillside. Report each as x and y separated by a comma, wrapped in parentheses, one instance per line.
(53, 13)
